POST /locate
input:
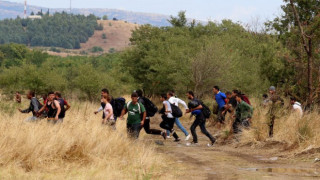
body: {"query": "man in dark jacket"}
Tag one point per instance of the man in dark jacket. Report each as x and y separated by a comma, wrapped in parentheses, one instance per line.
(33, 107)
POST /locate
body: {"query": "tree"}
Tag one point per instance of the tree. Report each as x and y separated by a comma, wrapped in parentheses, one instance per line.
(105, 17)
(180, 21)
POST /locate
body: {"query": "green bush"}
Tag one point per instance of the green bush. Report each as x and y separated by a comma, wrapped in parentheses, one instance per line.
(96, 49)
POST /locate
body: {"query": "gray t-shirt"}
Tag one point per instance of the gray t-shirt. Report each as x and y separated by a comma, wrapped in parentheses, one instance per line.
(169, 114)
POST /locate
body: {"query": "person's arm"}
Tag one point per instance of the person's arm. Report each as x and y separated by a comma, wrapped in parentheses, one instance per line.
(25, 110)
(99, 110)
(183, 103)
(166, 108)
(57, 104)
(110, 110)
(144, 115)
(35, 105)
(124, 111)
(66, 104)
(197, 108)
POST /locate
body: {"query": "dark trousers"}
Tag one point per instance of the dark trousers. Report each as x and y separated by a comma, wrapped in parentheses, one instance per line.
(133, 130)
(200, 121)
(167, 124)
(272, 118)
(221, 116)
(146, 127)
(238, 124)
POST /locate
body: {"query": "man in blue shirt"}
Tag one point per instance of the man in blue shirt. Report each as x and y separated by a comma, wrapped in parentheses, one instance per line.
(220, 99)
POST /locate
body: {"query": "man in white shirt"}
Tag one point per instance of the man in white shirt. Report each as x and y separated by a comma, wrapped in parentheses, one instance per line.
(296, 106)
(176, 101)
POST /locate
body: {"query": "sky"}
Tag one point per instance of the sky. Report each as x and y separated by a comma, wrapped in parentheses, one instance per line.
(214, 10)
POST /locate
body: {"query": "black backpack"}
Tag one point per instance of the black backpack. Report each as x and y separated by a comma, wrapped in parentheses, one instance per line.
(117, 106)
(205, 110)
(176, 111)
(151, 108)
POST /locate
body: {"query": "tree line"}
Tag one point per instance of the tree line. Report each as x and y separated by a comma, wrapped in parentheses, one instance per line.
(57, 30)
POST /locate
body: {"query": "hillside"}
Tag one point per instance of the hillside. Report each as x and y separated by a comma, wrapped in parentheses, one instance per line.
(12, 10)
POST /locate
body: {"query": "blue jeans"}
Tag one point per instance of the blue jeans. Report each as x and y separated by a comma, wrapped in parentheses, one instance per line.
(178, 123)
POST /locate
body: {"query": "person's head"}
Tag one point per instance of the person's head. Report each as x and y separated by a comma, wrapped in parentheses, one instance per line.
(139, 92)
(17, 93)
(238, 97)
(44, 96)
(51, 96)
(265, 96)
(30, 94)
(190, 95)
(58, 94)
(228, 94)
(272, 89)
(163, 97)
(134, 97)
(104, 91)
(234, 92)
(170, 94)
(216, 89)
(292, 100)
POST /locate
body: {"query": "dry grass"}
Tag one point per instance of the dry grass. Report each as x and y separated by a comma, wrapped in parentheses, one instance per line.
(80, 148)
(289, 129)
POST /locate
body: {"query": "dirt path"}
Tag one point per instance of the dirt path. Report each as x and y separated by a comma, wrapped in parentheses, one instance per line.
(225, 162)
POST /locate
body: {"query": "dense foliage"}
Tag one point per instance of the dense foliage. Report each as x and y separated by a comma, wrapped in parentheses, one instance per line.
(58, 30)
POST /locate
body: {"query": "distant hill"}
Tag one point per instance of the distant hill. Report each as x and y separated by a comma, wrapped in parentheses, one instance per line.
(12, 10)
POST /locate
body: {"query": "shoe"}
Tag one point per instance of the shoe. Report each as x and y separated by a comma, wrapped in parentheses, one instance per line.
(168, 137)
(211, 144)
(177, 140)
(192, 144)
(188, 137)
(164, 135)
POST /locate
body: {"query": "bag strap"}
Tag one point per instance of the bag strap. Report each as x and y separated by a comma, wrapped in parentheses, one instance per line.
(138, 106)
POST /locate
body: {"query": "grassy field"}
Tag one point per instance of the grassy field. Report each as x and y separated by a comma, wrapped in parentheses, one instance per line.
(80, 148)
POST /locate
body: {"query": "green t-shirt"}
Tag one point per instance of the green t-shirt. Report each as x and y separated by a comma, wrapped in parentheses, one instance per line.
(134, 114)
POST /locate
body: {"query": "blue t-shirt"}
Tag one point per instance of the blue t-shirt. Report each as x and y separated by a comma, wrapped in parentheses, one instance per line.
(220, 97)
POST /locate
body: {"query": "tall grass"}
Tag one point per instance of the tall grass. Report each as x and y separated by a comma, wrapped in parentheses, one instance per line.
(80, 148)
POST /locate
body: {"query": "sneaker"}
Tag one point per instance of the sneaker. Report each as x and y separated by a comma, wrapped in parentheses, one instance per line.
(168, 137)
(192, 144)
(177, 140)
(164, 135)
(211, 144)
(188, 137)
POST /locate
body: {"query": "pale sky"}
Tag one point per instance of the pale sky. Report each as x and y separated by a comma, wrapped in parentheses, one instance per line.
(237, 10)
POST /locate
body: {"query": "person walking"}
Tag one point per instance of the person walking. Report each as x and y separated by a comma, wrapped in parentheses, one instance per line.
(275, 108)
(296, 106)
(176, 101)
(108, 111)
(64, 105)
(104, 92)
(34, 107)
(151, 109)
(53, 107)
(167, 118)
(220, 99)
(195, 108)
(242, 115)
(136, 116)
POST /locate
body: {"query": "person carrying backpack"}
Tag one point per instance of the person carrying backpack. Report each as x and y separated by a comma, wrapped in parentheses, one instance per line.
(274, 109)
(34, 107)
(151, 109)
(117, 104)
(220, 99)
(136, 116)
(242, 115)
(63, 105)
(168, 116)
(196, 108)
(53, 107)
(176, 101)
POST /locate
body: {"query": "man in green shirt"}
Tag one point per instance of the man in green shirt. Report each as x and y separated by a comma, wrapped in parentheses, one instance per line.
(243, 114)
(136, 116)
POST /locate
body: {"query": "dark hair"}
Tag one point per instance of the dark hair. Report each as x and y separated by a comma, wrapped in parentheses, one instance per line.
(239, 95)
(57, 93)
(235, 91)
(32, 93)
(228, 93)
(50, 92)
(265, 95)
(170, 93)
(139, 92)
(134, 94)
(191, 93)
(164, 96)
(293, 98)
(105, 90)
(216, 87)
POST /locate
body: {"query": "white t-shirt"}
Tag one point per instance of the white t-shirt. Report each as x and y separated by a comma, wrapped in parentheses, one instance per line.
(297, 108)
(169, 114)
(177, 101)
